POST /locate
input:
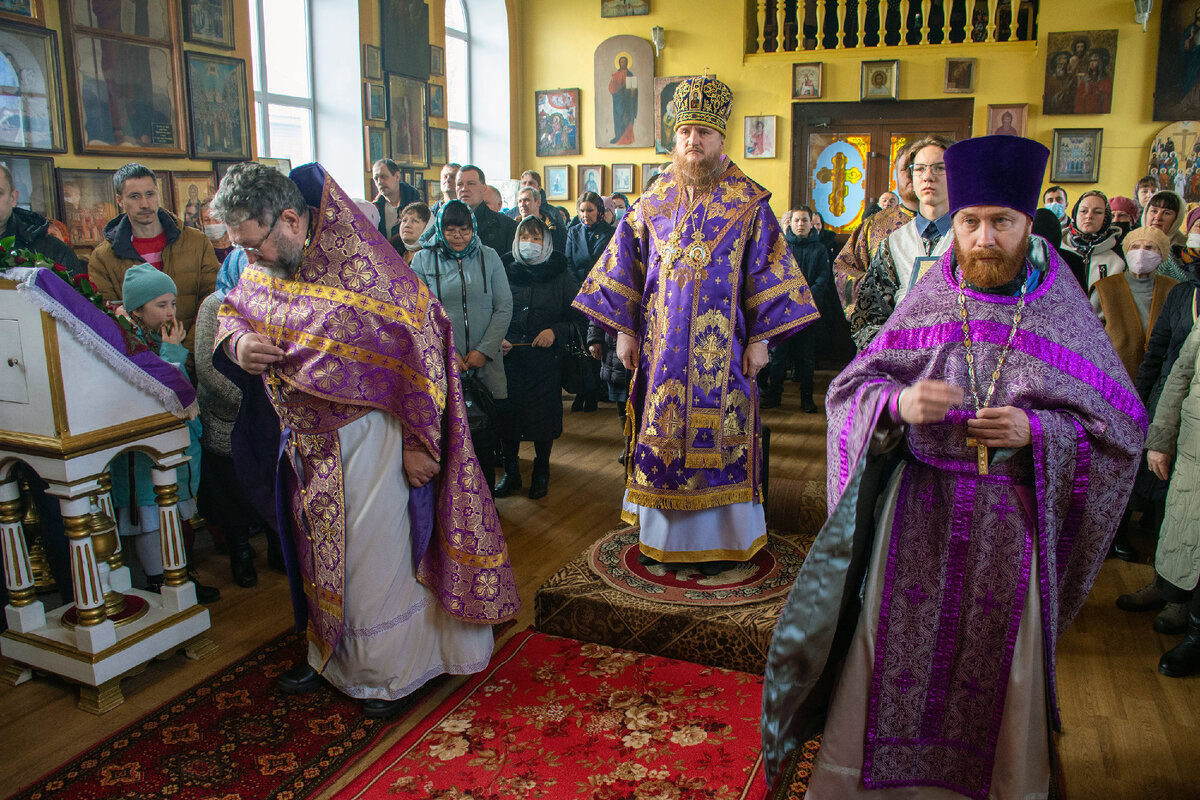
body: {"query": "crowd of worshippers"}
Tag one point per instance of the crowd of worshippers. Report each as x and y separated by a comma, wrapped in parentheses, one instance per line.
(970, 504)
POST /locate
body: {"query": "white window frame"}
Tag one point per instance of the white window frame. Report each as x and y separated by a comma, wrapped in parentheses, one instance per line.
(465, 37)
(264, 99)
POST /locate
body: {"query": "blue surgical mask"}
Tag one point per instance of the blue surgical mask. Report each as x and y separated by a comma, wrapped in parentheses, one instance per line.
(529, 250)
(1059, 209)
(620, 212)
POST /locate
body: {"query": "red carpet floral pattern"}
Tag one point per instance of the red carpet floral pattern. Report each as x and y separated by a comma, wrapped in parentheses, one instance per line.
(231, 737)
(557, 718)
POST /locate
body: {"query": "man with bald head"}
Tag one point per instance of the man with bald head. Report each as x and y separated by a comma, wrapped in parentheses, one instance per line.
(980, 451)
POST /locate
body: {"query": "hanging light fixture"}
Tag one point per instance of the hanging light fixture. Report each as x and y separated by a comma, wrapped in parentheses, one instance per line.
(1141, 11)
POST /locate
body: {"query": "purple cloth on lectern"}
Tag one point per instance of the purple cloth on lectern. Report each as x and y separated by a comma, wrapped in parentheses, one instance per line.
(995, 171)
(140, 356)
(960, 554)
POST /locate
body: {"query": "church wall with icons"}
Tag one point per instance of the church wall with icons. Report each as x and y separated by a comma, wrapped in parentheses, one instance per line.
(556, 40)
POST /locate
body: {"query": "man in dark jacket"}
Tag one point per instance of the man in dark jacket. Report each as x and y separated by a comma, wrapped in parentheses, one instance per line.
(495, 230)
(813, 258)
(29, 228)
(394, 195)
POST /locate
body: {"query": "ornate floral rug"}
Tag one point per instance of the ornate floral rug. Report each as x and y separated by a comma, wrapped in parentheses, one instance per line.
(769, 574)
(556, 718)
(231, 737)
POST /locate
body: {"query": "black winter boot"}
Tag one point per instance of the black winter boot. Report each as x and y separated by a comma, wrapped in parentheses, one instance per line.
(510, 481)
(1184, 658)
(539, 485)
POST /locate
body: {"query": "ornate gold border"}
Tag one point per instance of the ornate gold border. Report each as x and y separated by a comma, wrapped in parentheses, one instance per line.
(68, 446)
(55, 646)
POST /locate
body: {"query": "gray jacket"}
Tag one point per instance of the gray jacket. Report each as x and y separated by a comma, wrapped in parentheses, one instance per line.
(217, 396)
(476, 296)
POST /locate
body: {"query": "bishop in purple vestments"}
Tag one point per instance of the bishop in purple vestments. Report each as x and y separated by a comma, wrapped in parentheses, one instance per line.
(1002, 431)
(696, 282)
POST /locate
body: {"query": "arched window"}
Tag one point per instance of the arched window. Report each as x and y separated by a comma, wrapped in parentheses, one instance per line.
(458, 81)
(283, 85)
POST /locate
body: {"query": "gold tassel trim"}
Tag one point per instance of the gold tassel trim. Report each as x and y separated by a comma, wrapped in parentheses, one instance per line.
(690, 501)
(629, 517)
(699, 556)
(694, 460)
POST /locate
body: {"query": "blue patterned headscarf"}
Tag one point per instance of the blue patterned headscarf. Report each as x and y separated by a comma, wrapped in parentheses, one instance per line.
(435, 236)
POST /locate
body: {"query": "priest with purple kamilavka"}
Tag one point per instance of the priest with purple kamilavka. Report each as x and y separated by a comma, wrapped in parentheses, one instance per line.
(981, 451)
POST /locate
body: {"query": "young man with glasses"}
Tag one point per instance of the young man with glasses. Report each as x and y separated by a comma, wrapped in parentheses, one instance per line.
(903, 258)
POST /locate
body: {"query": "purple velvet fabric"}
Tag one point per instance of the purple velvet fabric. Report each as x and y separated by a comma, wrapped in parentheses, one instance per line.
(996, 171)
(960, 555)
(95, 319)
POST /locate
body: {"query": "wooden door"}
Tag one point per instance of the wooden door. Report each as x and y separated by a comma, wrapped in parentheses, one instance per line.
(843, 153)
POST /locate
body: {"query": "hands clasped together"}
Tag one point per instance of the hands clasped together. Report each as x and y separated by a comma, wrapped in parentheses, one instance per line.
(929, 401)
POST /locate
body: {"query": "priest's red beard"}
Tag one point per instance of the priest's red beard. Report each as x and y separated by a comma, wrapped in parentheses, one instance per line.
(991, 268)
(700, 175)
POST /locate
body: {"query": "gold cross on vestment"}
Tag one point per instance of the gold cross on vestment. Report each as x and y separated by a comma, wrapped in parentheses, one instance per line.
(981, 454)
(841, 179)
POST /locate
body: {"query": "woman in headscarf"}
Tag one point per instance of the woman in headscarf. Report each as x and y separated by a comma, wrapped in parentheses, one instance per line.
(542, 320)
(1165, 211)
(467, 276)
(1091, 234)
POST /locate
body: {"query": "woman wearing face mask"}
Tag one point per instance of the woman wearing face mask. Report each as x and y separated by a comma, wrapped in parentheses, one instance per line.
(467, 276)
(542, 291)
(1091, 234)
(214, 229)
(1165, 211)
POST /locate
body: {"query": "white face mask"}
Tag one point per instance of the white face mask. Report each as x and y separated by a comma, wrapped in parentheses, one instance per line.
(214, 232)
(529, 250)
(1193, 241)
(1142, 261)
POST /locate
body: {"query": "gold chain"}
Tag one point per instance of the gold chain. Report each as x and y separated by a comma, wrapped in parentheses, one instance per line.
(966, 329)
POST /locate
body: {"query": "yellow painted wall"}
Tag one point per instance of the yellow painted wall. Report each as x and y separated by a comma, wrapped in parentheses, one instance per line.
(73, 159)
(555, 42)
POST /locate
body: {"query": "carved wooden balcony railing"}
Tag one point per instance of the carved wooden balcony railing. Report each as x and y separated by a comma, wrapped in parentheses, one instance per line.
(786, 26)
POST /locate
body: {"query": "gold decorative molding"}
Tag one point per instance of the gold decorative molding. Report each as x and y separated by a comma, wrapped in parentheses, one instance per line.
(59, 648)
(58, 398)
(99, 699)
(69, 446)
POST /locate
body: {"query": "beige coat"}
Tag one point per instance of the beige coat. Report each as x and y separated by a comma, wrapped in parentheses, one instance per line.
(1176, 430)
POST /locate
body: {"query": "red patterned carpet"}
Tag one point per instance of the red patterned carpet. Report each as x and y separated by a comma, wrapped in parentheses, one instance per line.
(556, 718)
(233, 736)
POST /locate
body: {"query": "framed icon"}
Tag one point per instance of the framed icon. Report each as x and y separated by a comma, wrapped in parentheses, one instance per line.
(622, 178)
(806, 80)
(558, 183)
(1075, 155)
(880, 80)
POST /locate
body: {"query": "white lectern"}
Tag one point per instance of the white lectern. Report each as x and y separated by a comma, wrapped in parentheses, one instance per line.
(65, 412)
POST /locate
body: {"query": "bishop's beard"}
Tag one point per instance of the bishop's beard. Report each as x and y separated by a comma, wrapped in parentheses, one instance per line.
(991, 268)
(700, 175)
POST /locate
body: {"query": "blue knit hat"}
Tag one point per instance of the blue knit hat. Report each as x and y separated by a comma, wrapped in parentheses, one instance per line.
(142, 284)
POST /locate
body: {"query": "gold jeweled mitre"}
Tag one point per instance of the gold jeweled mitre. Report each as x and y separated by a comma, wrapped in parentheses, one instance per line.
(703, 100)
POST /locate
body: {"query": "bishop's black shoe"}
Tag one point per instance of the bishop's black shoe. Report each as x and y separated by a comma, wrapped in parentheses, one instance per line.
(383, 709)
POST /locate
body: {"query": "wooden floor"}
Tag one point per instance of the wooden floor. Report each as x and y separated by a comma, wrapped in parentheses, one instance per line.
(1128, 732)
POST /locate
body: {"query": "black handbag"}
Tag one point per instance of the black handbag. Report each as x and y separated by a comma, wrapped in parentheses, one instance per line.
(481, 406)
(575, 362)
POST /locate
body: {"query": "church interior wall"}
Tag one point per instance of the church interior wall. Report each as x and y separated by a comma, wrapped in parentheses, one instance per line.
(555, 42)
(74, 159)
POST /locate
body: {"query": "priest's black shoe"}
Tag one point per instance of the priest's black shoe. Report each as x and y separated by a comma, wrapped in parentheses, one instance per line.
(204, 594)
(1122, 548)
(383, 709)
(647, 561)
(300, 679)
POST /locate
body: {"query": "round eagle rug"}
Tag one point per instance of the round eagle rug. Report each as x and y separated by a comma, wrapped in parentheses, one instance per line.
(769, 574)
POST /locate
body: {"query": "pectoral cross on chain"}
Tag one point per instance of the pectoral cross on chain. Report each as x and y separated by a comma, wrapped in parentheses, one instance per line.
(274, 383)
(981, 454)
